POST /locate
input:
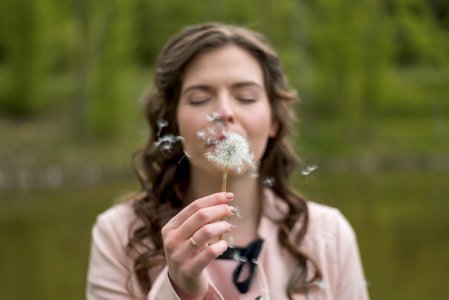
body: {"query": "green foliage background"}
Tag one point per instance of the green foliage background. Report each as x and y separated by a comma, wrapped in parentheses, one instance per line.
(373, 78)
(351, 60)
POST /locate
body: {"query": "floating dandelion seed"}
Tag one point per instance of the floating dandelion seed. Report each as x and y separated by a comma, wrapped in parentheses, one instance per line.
(236, 256)
(160, 125)
(254, 172)
(166, 147)
(216, 128)
(230, 241)
(364, 284)
(213, 116)
(212, 130)
(309, 169)
(320, 284)
(201, 135)
(237, 211)
(165, 143)
(186, 154)
(268, 181)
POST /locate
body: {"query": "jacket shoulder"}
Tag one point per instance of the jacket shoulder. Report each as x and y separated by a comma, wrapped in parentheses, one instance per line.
(328, 222)
(117, 222)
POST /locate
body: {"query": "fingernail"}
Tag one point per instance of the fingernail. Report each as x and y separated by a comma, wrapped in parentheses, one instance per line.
(229, 196)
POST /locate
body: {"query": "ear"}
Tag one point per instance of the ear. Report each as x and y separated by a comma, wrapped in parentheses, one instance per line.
(274, 127)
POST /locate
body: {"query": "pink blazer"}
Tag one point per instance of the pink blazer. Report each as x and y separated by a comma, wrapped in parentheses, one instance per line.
(330, 241)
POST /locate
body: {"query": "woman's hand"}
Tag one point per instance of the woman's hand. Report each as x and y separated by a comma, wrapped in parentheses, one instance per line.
(191, 242)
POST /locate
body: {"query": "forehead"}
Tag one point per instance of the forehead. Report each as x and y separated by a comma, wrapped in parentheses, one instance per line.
(224, 65)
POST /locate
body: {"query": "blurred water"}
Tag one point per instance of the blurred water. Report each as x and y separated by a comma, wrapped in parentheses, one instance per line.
(400, 220)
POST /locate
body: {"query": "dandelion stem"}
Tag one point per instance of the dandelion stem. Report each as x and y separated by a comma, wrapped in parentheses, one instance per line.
(223, 189)
(225, 178)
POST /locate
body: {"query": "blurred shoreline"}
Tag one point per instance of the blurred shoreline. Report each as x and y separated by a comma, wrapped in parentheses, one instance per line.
(86, 174)
(45, 153)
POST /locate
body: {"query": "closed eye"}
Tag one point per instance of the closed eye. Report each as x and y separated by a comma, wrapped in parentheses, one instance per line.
(198, 101)
(198, 97)
(247, 99)
(247, 96)
(247, 92)
(197, 94)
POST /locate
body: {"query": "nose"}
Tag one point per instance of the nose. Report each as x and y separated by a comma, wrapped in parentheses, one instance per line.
(225, 110)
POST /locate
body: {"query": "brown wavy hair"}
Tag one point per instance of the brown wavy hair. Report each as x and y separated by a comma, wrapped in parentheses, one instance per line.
(164, 176)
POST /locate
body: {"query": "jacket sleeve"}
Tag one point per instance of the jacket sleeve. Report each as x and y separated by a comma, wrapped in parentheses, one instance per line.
(110, 275)
(163, 289)
(351, 283)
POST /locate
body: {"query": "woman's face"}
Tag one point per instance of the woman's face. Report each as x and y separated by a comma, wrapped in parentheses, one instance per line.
(226, 83)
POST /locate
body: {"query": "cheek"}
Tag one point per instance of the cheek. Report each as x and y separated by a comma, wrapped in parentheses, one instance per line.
(261, 122)
(259, 145)
(189, 124)
(185, 120)
(259, 139)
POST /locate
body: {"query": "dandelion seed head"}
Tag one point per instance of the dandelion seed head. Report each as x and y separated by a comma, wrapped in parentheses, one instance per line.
(232, 152)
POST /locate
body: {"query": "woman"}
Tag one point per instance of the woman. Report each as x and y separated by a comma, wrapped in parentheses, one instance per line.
(214, 81)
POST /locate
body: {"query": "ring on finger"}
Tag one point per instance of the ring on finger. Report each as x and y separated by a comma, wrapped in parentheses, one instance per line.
(194, 243)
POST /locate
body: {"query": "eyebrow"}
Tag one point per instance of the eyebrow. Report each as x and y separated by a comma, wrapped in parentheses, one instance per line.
(246, 84)
(202, 87)
(236, 85)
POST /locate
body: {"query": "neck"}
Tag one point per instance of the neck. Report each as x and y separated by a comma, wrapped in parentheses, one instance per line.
(247, 198)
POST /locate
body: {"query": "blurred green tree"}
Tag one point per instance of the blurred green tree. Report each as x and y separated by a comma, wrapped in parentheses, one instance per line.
(21, 35)
(352, 62)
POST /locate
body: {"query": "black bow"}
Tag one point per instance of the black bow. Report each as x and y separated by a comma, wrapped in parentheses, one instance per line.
(246, 256)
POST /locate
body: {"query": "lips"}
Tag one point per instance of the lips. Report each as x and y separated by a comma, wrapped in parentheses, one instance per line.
(213, 141)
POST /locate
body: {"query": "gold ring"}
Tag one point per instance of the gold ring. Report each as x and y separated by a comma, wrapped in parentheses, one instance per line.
(194, 243)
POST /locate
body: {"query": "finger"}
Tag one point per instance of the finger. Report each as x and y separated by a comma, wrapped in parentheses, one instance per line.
(210, 200)
(198, 263)
(203, 217)
(201, 239)
(209, 233)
